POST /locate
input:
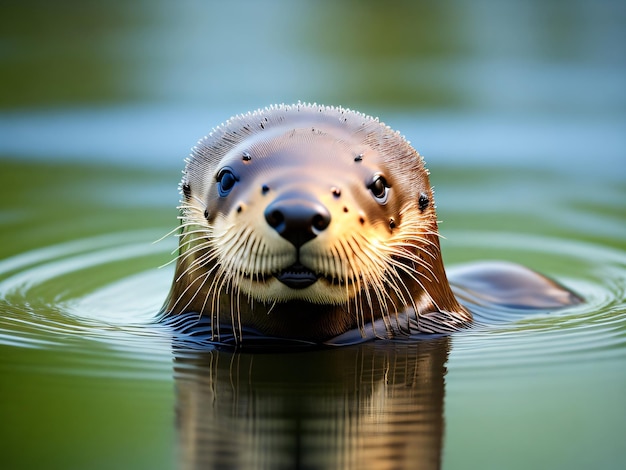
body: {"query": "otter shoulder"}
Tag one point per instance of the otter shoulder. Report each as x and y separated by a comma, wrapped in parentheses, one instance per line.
(508, 285)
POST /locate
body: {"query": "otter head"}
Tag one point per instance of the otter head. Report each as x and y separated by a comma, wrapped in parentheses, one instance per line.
(306, 221)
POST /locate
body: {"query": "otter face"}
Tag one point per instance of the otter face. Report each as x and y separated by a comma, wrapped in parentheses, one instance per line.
(300, 216)
(308, 204)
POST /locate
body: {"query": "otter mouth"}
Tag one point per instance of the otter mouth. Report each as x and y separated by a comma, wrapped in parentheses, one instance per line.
(297, 276)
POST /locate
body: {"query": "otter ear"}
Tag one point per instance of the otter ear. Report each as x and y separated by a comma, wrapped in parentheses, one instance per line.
(509, 285)
(185, 189)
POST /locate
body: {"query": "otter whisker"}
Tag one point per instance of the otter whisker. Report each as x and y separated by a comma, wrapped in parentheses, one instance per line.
(188, 252)
(404, 253)
(373, 259)
(224, 281)
(234, 312)
(182, 243)
(395, 281)
(189, 234)
(198, 264)
(414, 242)
(202, 280)
(379, 292)
(168, 234)
(269, 310)
(213, 293)
(410, 271)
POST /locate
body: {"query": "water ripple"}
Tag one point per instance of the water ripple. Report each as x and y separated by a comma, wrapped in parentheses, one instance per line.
(594, 331)
(102, 290)
(107, 289)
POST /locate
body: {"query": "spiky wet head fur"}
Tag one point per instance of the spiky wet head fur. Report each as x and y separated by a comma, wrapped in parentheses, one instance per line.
(370, 251)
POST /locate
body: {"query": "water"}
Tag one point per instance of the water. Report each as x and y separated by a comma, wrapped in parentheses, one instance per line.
(524, 137)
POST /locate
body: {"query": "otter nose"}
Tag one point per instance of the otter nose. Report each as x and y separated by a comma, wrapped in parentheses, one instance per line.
(297, 218)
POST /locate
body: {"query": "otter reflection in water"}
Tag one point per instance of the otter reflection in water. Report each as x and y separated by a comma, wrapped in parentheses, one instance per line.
(374, 405)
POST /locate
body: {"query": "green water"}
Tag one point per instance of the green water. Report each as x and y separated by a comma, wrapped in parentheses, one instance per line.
(520, 111)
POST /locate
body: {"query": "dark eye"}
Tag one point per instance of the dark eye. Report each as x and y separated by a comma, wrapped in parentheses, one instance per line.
(379, 188)
(226, 180)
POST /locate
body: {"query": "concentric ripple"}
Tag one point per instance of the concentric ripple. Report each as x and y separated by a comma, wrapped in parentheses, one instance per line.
(107, 289)
(522, 341)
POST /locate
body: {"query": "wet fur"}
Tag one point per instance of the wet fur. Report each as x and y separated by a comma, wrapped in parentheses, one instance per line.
(381, 261)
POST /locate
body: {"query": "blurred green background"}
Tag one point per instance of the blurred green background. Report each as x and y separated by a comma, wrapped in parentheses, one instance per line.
(551, 55)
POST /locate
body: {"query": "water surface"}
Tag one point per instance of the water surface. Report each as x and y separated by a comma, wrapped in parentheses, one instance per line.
(81, 350)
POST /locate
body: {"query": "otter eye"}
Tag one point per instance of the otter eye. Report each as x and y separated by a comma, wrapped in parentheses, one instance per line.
(226, 180)
(379, 188)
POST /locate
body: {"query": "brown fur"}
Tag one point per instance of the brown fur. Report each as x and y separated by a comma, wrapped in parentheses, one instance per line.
(390, 251)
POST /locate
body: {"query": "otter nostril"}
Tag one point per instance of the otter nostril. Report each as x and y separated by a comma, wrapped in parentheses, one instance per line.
(320, 222)
(274, 218)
